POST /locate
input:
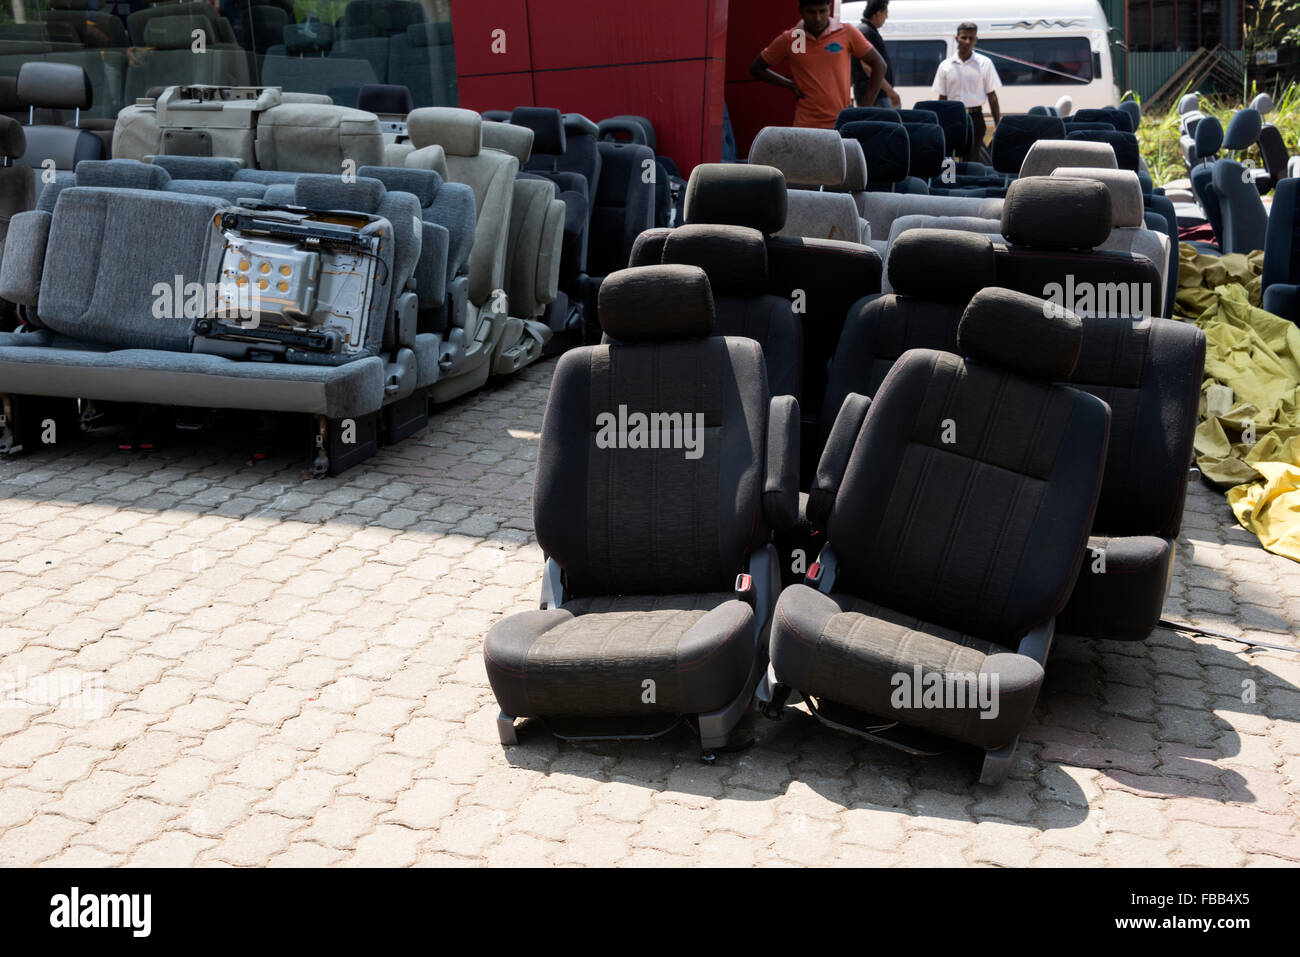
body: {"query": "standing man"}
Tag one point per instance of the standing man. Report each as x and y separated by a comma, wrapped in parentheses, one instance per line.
(818, 50)
(873, 18)
(970, 78)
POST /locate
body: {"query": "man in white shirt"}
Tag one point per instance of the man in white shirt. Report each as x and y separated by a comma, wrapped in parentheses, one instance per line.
(970, 78)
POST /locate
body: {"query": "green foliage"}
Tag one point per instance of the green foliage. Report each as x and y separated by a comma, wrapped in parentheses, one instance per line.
(1158, 134)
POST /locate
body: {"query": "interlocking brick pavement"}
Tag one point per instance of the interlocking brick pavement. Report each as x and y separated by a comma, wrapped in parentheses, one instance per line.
(255, 668)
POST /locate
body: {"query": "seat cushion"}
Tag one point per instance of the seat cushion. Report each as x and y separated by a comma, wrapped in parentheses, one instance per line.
(1121, 588)
(593, 656)
(860, 654)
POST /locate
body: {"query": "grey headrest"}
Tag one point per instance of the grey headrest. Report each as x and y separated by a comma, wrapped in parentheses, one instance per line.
(13, 143)
(656, 303)
(121, 174)
(1047, 155)
(458, 132)
(423, 184)
(1022, 333)
(1189, 103)
(733, 257)
(1056, 213)
(806, 157)
(966, 261)
(1263, 104)
(515, 140)
(737, 194)
(1126, 205)
(61, 86)
(855, 166)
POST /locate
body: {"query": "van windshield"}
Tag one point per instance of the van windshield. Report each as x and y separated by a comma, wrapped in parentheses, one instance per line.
(1036, 60)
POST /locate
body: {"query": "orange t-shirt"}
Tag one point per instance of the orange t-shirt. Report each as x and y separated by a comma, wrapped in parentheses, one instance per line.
(819, 66)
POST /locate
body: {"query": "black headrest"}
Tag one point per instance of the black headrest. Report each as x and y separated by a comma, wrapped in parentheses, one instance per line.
(737, 194)
(952, 117)
(575, 124)
(886, 146)
(861, 114)
(547, 126)
(656, 303)
(638, 129)
(1039, 111)
(497, 116)
(13, 143)
(927, 147)
(1208, 136)
(966, 259)
(1093, 116)
(1125, 145)
(733, 257)
(1015, 134)
(1123, 122)
(1054, 212)
(1243, 129)
(62, 86)
(919, 116)
(1020, 332)
(385, 98)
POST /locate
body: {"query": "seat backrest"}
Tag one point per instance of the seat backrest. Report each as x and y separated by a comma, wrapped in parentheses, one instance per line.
(17, 182)
(882, 209)
(1273, 149)
(886, 146)
(535, 245)
(1016, 134)
(490, 173)
(1046, 155)
(1134, 111)
(735, 260)
(623, 206)
(1245, 220)
(810, 159)
(1282, 239)
(952, 117)
(379, 18)
(623, 517)
(1127, 153)
(422, 57)
(315, 138)
(1243, 130)
(926, 149)
(1053, 227)
(973, 478)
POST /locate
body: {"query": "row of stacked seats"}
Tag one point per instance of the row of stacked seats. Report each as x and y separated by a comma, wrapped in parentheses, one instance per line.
(1071, 439)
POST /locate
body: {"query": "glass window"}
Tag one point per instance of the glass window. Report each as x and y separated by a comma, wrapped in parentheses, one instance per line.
(1036, 60)
(334, 47)
(915, 61)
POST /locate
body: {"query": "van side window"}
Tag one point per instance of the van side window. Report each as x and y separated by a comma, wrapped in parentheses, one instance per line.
(1038, 60)
(915, 61)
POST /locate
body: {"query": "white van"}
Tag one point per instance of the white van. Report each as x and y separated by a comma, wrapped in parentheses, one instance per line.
(1041, 50)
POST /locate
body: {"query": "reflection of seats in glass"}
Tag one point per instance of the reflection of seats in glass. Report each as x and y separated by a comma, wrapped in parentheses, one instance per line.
(92, 26)
(166, 55)
(423, 60)
(378, 18)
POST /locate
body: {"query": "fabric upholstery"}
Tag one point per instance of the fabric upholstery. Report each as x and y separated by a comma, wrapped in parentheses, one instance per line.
(806, 157)
(1045, 156)
(1016, 134)
(1054, 213)
(968, 264)
(737, 195)
(1126, 203)
(61, 86)
(1009, 329)
(652, 303)
(313, 138)
(459, 132)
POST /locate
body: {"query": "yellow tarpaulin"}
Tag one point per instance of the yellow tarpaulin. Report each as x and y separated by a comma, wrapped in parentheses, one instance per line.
(1249, 438)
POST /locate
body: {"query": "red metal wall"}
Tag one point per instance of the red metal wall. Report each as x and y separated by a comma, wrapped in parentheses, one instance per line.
(663, 59)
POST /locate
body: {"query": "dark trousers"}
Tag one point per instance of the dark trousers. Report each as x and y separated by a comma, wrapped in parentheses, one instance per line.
(977, 137)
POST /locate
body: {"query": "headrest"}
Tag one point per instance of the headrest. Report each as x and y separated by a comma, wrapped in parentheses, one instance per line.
(1119, 118)
(1051, 213)
(1039, 111)
(458, 132)
(1127, 153)
(1189, 103)
(311, 37)
(1016, 134)
(1065, 105)
(733, 257)
(1263, 104)
(967, 264)
(1126, 206)
(638, 129)
(953, 119)
(1021, 333)
(887, 147)
(919, 116)
(1208, 136)
(547, 126)
(176, 32)
(325, 191)
(423, 184)
(1133, 110)
(861, 114)
(121, 174)
(855, 166)
(656, 304)
(1093, 116)
(60, 86)
(1047, 155)
(1243, 129)
(392, 98)
(496, 116)
(427, 157)
(515, 140)
(927, 148)
(575, 124)
(737, 194)
(429, 34)
(13, 143)
(215, 168)
(806, 157)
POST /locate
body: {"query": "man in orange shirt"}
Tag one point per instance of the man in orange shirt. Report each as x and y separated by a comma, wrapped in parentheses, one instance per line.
(819, 50)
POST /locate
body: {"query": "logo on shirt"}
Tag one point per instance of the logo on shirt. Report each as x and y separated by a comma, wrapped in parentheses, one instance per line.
(834, 47)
